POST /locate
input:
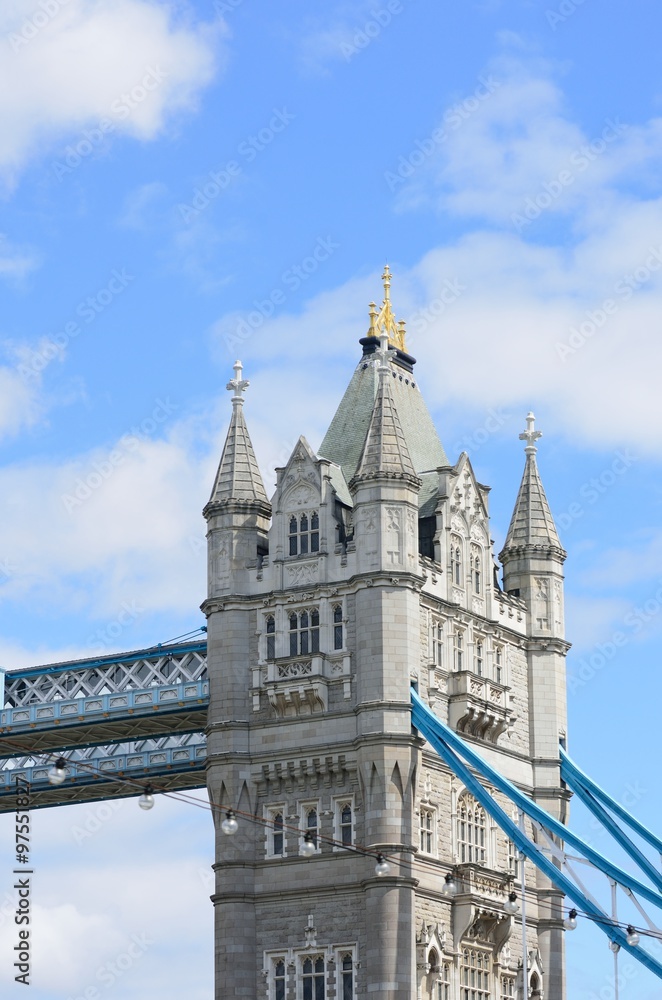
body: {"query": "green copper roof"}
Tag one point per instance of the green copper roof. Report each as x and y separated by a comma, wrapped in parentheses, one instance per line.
(345, 438)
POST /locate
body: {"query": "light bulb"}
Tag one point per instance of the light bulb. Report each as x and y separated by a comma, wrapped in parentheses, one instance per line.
(308, 847)
(449, 888)
(57, 773)
(570, 922)
(382, 867)
(146, 800)
(615, 946)
(632, 937)
(229, 826)
(511, 905)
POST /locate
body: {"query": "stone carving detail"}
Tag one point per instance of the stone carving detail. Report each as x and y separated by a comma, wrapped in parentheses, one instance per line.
(301, 574)
(478, 535)
(300, 496)
(295, 669)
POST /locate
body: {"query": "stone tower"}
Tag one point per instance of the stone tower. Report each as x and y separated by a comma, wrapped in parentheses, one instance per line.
(372, 569)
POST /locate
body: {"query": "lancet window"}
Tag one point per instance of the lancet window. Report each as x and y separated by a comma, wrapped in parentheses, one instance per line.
(304, 533)
(304, 632)
(475, 975)
(471, 831)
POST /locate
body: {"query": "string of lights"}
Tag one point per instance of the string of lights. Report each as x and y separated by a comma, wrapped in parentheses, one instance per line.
(309, 841)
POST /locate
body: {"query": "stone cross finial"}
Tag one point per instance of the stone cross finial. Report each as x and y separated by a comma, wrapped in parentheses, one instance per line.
(384, 353)
(238, 385)
(530, 435)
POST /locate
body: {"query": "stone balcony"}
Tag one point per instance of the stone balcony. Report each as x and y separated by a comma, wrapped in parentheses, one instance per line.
(299, 685)
(479, 706)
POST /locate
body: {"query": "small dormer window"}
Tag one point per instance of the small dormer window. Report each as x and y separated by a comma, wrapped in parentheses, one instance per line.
(304, 534)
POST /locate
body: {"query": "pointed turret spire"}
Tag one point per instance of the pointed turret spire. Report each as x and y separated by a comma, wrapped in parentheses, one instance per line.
(238, 476)
(385, 451)
(532, 523)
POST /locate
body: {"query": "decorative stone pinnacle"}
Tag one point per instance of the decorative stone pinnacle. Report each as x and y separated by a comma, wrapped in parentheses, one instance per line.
(238, 385)
(384, 353)
(530, 435)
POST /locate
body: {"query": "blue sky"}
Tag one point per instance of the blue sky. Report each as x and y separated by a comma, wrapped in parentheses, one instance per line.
(185, 183)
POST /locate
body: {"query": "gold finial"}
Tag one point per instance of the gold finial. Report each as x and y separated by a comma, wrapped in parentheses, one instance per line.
(386, 278)
(385, 322)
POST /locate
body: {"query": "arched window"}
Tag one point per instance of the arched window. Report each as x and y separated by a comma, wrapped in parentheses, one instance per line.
(427, 819)
(507, 988)
(271, 637)
(479, 657)
(313, 978)
(498, 664)
(536, 991)
(347, 978)
(279, 980)
(444, 984)
(337, 627)
(438, 644)
(471, 837)
(477, 575)
(276, 833)
(304, 632)
(458, 650)
(304, 534)
(433, 960)
(475, 975)
(456, 562)
(345, 822)
(310, 822)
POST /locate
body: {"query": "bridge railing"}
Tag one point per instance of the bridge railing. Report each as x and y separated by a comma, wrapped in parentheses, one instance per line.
(106, 675)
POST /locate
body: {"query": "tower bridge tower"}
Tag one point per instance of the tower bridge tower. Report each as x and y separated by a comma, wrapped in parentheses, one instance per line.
(370, 569)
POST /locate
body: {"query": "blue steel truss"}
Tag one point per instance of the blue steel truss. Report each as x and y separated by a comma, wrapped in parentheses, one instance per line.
(451, 748)
(118, 721)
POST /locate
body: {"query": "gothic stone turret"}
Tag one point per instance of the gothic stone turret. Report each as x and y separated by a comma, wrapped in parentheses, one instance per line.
(375, 571)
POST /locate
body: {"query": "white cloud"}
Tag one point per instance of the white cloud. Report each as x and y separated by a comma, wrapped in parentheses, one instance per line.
(15, 262)
(128, 61)
(495, 153)
(20, 399)
(123, 530)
